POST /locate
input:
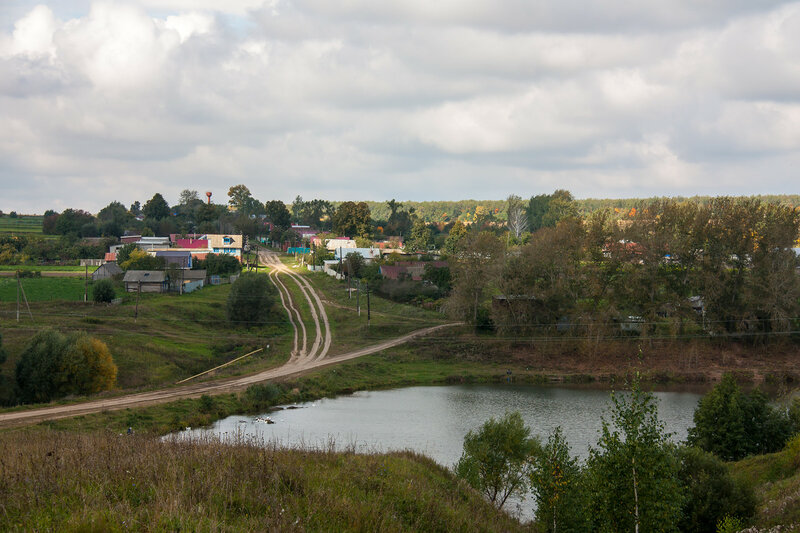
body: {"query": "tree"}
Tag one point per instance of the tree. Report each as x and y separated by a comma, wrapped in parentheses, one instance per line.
(732, 425)
(113, 219)
(556, 483)
(353, 265)
(352, 219)
(73, 221)
(38, 370)
(453, 243)
(188, 196)
(7, 393)
(278, 214)
(712, 492)
(54, 365)
(241, 199)
(136, 208)
(517, 218)
(124, 253)
(156, 207)
(87, 367)
(474, 270)
(633, 472)
(103, 291)
(298, 207)
(141, 260)
(420, 238)
(218, 265)
(251, 300)
(537, 208)
(495, 458)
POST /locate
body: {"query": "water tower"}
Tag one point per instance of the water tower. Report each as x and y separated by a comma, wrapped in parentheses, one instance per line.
(208, 195)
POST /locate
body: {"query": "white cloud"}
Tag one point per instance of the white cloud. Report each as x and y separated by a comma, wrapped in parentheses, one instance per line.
(412, 99)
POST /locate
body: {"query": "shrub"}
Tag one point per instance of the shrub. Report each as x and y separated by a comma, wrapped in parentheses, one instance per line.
(711, 492)
(733, 425)
(103, 291)
(54, 365)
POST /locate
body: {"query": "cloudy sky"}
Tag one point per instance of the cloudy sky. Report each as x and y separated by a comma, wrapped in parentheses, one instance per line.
(414, 99)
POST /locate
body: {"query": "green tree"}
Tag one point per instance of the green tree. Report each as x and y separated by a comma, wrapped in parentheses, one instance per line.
(496, 457)
(711, 492)
(278, 214)
(352, 219)
(103, 291)
(421, 237)
(555, 479)
(561, 206)
(251, 300)
(113, 219)
(218, 265)
(156, 208)
(633, 473)
(240, 199)
(124, 253)
(54, 365)
(537, 208)
(37, 371)
(453, 243)
(732, 425)
(475, 270)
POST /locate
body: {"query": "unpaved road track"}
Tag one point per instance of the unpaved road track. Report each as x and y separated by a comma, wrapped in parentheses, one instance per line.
(302, 361)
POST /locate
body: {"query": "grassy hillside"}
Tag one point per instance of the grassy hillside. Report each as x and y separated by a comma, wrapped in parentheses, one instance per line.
(110, 482)
(776, 478)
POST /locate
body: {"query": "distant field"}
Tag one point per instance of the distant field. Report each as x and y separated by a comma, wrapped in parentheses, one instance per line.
(46, 268)
(43, 289)
(21, 224)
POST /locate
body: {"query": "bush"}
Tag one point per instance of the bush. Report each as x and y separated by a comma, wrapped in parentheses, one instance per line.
(103, 291)
(251, 300)
(54, 365)
(261, 396)
(711, 492)
(732, 425)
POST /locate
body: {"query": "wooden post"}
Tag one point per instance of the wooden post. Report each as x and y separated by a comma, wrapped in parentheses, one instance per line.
(368, 304)
(86, 284)
(358, 297)
(18, 289)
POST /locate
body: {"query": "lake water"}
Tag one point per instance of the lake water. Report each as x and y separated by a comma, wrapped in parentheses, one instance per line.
(433, 420)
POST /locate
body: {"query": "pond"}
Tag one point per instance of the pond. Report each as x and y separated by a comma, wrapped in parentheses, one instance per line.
(434, 419)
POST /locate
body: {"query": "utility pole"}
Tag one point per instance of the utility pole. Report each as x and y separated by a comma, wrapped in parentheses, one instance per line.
(138, 292)
(358, 297)
(368, 304)
(86, 284)
(18, 289)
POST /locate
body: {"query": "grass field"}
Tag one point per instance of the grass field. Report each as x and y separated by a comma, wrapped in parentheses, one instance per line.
(44, 289)
(21, 224)
(46, 268)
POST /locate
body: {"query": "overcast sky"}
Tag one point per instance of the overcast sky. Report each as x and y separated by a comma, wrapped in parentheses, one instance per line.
(419, 99)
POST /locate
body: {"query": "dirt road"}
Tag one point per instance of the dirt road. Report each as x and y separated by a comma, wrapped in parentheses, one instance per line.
(302, 360)
(298, 366)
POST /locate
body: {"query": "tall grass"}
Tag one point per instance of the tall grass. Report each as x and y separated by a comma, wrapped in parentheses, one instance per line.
(113, 482)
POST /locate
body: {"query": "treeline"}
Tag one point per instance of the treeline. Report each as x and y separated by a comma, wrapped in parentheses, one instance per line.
(673, 269)
(634, 479)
